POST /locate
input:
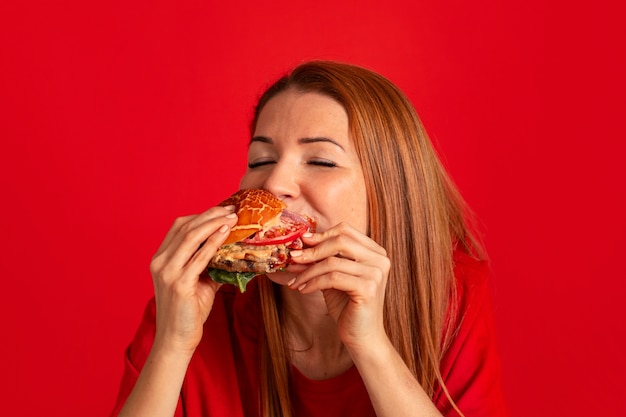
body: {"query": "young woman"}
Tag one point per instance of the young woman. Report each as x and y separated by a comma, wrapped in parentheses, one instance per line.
(386, 312)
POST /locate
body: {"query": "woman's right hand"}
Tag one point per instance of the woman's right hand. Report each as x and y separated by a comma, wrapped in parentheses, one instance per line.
(183, 298)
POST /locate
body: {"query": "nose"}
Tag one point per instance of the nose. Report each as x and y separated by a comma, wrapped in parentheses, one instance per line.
(283, 180)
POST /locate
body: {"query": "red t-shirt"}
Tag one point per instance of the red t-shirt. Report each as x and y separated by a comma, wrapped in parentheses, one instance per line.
(222, 376)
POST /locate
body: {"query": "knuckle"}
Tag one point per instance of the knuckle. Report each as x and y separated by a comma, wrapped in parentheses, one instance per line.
(186, 227)
(333, 261)
(156, 264)
(334, 276)
(190, 236)
(370, 288)
(162, 276)
(163, 272)
(310, 253)
(181, 221)
(179, 288)
(216, 237)
(386, 264)
(343, 225)
(342, 240)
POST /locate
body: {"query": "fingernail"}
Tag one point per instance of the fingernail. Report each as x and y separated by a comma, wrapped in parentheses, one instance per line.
(230, 208)
(291, 281)
(224, 228)
(301, 287)
(295, 253)
(231, 216)
(307, 234)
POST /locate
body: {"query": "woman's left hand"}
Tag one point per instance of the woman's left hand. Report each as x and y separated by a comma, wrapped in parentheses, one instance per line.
(351, 270)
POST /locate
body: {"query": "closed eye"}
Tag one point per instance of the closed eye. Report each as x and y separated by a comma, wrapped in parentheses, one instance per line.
(322, 162)
(257, 164)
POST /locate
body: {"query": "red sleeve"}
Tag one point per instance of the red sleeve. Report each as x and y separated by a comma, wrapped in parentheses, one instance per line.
(135, 358)
(471, 366)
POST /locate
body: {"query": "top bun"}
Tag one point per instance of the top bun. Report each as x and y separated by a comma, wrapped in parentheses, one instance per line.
(254, 208)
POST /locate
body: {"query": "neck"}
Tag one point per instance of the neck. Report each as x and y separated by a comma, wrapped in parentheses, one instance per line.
(311, 336)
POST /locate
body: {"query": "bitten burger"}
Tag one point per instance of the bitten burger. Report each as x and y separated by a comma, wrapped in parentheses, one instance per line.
(260, 241)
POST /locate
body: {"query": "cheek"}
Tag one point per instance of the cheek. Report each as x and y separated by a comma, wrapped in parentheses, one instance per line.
(360, 217)
(249, 181)
(359, 214)
(347, 204)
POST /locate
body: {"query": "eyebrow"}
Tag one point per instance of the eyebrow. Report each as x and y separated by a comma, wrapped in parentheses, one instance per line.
(301, 141)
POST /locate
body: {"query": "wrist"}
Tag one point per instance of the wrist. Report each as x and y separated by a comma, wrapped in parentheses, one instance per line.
(168, 348)
(374, 349)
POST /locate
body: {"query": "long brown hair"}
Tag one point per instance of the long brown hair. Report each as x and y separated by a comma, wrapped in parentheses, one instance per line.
(415, 213)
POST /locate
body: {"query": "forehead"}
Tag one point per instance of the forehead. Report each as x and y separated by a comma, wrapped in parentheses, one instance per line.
(297, 113)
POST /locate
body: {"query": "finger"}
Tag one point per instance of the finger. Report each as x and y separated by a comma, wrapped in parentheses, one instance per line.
(198, 262)
(204, 238)
(325, 267)
(325, 273)
(340, 246)
(173, 231)
(183, 225)
(168, 266)
(359, 287)
(343, 229)
(211, 214)
(365, 240)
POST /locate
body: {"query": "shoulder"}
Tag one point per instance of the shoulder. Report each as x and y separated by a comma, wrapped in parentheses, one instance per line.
(471, 366)
(472, 277)
(469, 270)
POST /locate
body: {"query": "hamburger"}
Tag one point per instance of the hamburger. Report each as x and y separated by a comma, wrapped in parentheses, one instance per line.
(261, 240)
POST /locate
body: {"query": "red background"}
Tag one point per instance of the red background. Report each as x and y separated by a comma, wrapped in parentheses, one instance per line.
(117, 118)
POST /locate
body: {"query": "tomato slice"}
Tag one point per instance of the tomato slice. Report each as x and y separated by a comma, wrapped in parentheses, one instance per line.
(291, 227)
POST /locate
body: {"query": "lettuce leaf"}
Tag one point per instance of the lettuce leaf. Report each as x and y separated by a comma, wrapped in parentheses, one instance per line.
(240, 279)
